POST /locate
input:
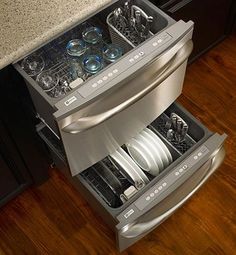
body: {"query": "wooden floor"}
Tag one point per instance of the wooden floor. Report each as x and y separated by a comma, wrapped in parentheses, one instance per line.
(55, 219)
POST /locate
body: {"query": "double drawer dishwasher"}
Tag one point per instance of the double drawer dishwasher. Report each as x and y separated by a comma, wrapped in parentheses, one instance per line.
(105, 93)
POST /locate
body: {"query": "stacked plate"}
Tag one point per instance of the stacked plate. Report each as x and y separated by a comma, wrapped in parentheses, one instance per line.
(131, 170)
(149, 152)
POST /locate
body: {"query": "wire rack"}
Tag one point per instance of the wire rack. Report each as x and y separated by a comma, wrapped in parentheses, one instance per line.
(101, 187)
(160, 127)
(55, 55)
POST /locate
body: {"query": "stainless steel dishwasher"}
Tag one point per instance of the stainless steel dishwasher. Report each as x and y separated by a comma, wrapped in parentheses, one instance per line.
(95, 120)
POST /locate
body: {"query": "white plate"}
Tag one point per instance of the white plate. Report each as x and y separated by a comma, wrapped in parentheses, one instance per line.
(134, 165)
(142, 156)
(152, 150)
(134, 173)
(159, 141)
(158, 150)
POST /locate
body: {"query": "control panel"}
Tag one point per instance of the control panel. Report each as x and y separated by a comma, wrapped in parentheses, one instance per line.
(123, 65)
(170, 179)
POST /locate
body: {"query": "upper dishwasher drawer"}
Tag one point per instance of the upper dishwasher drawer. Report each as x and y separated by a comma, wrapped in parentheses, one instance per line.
(93, 132)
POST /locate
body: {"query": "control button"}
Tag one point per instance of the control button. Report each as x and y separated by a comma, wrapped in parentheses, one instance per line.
(195, 157)
(152, 195)
(94, 85)
(131, 60)
(100, 81)
(136, 56)
(141, 53)
(203, 149)
(199, 154)
(156, 191)
(105, 78)
(148, 198)
(185, 167)
(155, 44)
(110, 74)
(160, 188)
(176, 173)
(159, 41)
(181, 170)
(115, 71)
(164, 184)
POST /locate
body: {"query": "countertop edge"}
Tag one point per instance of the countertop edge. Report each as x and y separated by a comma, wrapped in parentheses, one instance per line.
(32, 45)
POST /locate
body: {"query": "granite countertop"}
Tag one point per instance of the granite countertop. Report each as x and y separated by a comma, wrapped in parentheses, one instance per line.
(27, 24)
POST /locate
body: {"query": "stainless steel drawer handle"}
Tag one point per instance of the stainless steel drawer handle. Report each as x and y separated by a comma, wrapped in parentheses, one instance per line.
(168, 63)
(138, 229)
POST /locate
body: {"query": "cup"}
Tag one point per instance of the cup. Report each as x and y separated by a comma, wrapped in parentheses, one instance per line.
(47, 80)
(75, 52)
(33, 64)
(112, 52)
(92, 64)
(93, 38)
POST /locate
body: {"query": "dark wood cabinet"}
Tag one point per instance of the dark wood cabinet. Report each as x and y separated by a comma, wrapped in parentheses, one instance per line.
(213, 19)
(8, 182)
(14, 176)
(23, 156)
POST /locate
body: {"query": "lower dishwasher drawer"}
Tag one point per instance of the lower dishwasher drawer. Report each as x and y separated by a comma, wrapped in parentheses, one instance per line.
(131, 208)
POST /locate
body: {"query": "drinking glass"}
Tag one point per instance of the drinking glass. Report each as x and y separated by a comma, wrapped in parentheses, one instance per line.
(75, 51)
(33, 64)
(92, 64)
(47, 80)
(111, 52)
(93, 38)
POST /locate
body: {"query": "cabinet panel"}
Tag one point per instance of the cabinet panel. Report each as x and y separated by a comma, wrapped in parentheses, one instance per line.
(8, 182)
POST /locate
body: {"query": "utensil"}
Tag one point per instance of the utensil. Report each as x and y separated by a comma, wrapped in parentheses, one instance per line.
(127, 10)
(147, 28)
(177, 128)
(138, 22)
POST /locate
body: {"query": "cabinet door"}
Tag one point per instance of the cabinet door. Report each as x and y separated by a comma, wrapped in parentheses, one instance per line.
(14, 176)
(8, 182)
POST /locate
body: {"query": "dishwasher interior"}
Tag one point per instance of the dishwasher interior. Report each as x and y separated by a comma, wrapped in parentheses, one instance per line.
(109, 181)
(64, 64)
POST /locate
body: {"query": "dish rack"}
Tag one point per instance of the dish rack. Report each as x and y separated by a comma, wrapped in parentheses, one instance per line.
(55, 55)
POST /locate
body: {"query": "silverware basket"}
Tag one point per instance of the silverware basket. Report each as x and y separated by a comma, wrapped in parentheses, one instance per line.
(126, 37)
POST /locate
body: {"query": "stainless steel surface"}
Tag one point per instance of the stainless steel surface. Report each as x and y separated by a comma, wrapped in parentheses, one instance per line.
(133, 231)
(165, 65)
(106, 136)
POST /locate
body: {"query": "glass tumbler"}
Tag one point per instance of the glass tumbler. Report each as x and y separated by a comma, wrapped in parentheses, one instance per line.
(47, 80)
(92, 64)
(93, 38)
(33, 65)
(112, 52)
(75, 51)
